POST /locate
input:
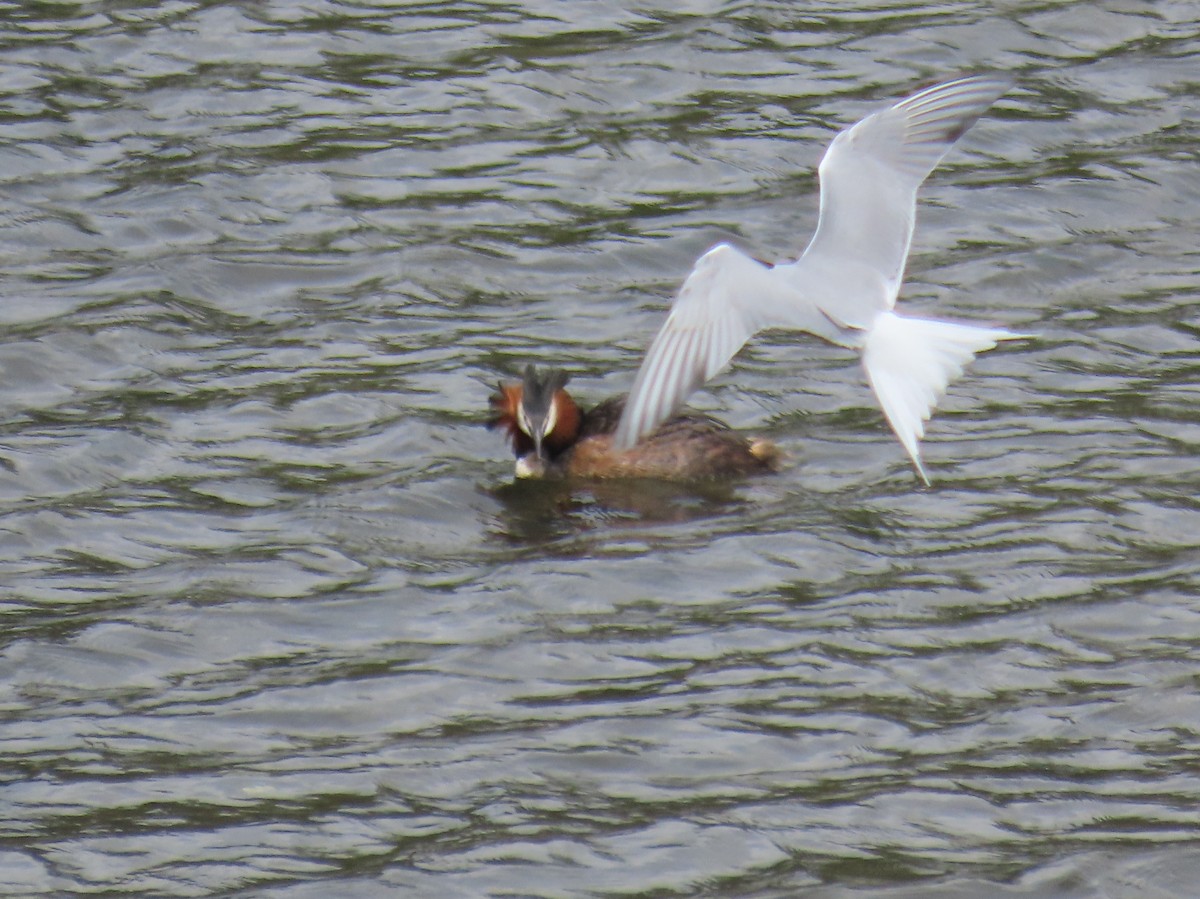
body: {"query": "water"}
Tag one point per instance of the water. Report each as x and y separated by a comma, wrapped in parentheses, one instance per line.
(276, 622)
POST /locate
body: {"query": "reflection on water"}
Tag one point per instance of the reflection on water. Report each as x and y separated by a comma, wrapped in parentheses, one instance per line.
(539, 511)
(277, 620)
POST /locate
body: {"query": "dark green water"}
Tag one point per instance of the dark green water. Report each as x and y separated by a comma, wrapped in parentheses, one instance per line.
(275, 622)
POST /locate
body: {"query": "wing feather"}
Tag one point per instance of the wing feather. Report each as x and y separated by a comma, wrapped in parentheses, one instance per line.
(869, 180)
(725, 300)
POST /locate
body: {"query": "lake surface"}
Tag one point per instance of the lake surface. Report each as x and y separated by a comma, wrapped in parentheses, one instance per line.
(276, 620)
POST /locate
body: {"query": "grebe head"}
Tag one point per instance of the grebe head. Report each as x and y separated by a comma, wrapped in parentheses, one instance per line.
(537, 411)
(541, 418)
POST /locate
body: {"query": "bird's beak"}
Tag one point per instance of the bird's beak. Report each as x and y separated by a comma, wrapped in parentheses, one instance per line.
(531, 466)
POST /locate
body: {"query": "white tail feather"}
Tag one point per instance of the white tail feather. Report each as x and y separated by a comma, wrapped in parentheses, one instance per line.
(911, 361)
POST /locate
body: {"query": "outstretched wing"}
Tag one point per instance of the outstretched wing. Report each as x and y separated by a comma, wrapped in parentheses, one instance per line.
(726, 299)
(869, 180)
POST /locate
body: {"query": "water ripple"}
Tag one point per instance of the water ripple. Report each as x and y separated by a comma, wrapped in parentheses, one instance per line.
(277, 620)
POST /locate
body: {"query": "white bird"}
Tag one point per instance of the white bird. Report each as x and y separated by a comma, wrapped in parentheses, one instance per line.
(843, 288)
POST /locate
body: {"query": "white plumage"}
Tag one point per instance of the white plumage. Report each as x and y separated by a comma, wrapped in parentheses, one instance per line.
(844, 286)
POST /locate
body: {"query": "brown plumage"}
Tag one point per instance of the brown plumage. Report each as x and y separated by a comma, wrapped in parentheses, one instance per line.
(552, 436)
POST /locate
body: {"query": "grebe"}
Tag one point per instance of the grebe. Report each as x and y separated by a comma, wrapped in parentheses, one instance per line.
(552, 436)
(843, 288)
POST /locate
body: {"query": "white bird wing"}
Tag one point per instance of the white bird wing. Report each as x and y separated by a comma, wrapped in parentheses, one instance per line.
(869, 180)
(726, 300)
